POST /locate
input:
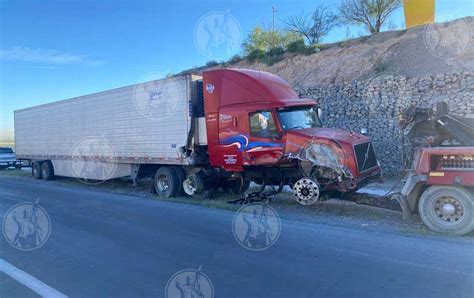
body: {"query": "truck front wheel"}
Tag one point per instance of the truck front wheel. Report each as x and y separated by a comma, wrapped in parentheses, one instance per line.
(447, 209)
(166, 182)
(36, 170)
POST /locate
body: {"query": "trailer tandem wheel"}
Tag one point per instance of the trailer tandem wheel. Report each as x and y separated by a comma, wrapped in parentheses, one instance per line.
(36, 170)
(166, 182)
(47, 170)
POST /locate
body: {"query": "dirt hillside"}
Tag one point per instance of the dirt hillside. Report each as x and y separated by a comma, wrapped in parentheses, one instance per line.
(429, 49)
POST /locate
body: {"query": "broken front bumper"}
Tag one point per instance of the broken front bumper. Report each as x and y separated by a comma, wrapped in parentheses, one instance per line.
(350, 183)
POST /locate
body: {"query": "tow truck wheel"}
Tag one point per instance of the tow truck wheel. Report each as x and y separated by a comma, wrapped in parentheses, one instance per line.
(447, 209)
(36, 170)
(166, 182)
(47, 170)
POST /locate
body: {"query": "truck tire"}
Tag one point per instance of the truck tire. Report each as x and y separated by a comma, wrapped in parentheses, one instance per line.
(166, 182)
(195, 185)
(235, 187)
(447, 209)
(36, 170)
(181, 175)
(47, 170)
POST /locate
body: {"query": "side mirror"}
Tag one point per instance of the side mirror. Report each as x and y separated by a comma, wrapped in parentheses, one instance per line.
(320, 113)
(277, 137)
(363, 131)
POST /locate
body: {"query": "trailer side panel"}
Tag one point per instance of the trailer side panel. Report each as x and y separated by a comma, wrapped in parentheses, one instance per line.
(143, 123)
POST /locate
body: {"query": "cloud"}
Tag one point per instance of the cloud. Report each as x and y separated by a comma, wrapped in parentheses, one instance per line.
(45, 56)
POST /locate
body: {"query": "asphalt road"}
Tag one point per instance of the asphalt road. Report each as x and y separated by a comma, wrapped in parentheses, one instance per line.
(104, 245)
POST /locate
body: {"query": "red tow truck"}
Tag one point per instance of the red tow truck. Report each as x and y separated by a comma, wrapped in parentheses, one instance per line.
(439, 184)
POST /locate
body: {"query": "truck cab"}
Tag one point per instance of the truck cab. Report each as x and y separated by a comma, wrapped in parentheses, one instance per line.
(259, 127)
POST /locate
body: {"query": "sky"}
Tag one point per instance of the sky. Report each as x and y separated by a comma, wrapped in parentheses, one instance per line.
(53, 50)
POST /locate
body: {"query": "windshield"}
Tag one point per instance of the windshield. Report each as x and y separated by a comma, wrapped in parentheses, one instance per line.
(299, 118)
(5, 150)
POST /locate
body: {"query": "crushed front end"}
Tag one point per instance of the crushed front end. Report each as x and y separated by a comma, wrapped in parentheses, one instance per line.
(336, 159)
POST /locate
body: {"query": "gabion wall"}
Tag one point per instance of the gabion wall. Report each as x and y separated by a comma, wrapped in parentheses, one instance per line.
(376, 103)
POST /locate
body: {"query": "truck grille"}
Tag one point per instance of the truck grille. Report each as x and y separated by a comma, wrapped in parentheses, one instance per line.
(457, 163)
(198, 110)
(365, 156)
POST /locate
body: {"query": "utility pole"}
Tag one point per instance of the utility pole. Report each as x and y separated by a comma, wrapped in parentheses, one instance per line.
(273, 25)
(273, 14)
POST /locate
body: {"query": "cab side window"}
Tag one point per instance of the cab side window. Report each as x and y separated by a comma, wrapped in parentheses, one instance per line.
(262, 125)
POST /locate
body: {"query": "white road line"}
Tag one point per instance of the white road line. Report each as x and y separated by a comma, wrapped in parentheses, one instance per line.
(29, 281)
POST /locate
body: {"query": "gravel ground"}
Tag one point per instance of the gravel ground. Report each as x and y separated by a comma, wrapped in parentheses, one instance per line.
(332, 212)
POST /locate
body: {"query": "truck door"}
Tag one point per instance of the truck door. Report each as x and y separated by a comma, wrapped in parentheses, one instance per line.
(265, 145)
(232, 139)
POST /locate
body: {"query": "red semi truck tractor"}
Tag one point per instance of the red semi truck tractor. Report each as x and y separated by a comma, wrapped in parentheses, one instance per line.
(196, 134)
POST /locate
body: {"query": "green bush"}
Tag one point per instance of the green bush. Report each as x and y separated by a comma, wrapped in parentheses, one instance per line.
(380, 66)
(235, 59)
(212, 63)
(300, 47)
(265, 39)
(278, 51)
(297, 46)
(270, 60)
(273, 55)
(255, 55)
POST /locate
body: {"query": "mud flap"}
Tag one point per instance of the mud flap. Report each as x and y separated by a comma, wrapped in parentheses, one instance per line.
(402, 200)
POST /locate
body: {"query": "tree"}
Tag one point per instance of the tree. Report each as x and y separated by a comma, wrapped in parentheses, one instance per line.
(312, 26)
(263, 40)
(371, 13)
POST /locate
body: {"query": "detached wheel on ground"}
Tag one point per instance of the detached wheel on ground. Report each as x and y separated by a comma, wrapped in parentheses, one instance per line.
(47, 170)
(447, 209)
(166, 182)
(36, 170)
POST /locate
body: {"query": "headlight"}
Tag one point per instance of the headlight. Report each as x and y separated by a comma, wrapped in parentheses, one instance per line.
(321, 154)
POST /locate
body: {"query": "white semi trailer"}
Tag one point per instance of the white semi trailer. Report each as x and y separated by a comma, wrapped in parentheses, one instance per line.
(109, 134)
